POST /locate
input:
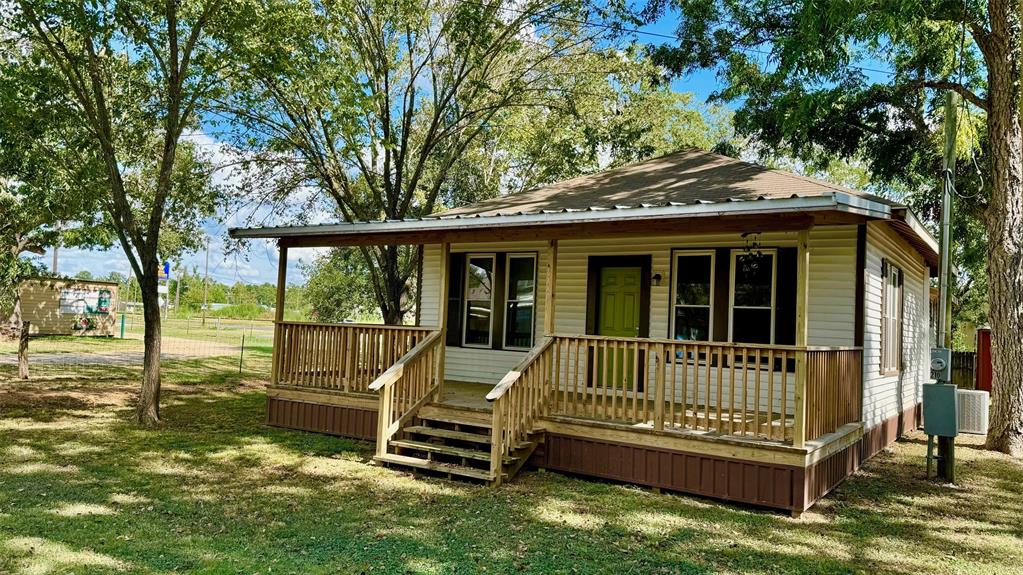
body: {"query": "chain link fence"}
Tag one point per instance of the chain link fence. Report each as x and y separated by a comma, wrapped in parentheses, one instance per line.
(192, 348)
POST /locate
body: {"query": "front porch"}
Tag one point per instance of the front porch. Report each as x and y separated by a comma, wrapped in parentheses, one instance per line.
(720, 419)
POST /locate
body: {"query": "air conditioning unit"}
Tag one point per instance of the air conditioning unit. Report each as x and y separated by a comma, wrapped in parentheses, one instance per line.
(973, 411)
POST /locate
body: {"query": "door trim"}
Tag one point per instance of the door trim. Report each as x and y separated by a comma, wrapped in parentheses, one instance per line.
(594, 265)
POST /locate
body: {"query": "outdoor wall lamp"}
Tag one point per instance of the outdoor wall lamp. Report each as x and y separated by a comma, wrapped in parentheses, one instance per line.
(656, 280)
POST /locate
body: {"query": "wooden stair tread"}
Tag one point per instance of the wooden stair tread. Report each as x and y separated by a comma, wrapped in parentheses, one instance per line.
(454, 419)
(438, 466)
(448, 434)
(447, 449)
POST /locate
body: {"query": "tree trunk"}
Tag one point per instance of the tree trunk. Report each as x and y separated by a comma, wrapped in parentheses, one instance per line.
(394, 287)
(19, 329)
(148, 410)
(23, 351)
(1004, 221)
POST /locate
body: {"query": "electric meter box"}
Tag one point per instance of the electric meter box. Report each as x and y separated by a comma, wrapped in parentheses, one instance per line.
(941, 364)
(941, 409)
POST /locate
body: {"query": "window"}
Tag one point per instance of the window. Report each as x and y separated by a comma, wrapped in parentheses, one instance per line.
(752, 296)
(891, 318)
(520, 306)
(693, 296)
(479, 300)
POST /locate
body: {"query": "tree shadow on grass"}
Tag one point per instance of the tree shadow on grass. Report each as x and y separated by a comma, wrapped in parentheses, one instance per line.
(216, 490)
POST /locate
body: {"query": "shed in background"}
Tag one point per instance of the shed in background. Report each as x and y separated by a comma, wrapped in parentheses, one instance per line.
(66, 306)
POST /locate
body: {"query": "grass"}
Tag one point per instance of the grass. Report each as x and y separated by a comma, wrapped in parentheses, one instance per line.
(83, 490)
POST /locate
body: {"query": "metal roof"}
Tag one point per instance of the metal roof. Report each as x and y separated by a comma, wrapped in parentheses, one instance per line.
(458, 221)
(686, 184)
(685, 177)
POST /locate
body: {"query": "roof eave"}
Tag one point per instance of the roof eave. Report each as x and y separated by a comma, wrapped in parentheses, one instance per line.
(837, 201)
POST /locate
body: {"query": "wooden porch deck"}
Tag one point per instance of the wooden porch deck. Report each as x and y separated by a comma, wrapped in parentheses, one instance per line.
(466, 394)
(678, 414)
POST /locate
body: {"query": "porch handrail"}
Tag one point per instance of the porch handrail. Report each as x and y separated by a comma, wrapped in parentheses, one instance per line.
(729, 344)
(343, 357)
(405, 387)
(785, 393)
(359, 325)
(519, 399)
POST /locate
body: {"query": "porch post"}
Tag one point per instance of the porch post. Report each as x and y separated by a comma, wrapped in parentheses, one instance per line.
(552, 279)
(282, 278)
(802, 330)
(442, 314)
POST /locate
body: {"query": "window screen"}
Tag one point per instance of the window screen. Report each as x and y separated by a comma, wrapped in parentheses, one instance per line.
(479, 299)
(753, 279)
(520, 301)
(694, 274)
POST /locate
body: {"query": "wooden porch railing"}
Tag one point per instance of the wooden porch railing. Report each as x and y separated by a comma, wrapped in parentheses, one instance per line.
(752, 391)
(834, 389)
(345, 357)
(519, 399)
(405, 387)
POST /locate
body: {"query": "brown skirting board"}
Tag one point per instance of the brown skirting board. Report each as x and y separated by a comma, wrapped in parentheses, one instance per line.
(788, 487)
(791, 488)
(825, 475)
(330, 419)
(764, 484)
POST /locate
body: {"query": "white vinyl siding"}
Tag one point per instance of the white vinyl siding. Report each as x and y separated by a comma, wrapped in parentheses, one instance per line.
(832, 277)
(477, 364)
(887, 395)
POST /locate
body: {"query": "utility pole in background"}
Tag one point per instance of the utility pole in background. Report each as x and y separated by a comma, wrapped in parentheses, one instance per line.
(177, 289)
(206, 284)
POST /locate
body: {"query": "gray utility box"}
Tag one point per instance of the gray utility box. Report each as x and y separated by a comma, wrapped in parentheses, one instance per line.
(941, 409)
(941, 364)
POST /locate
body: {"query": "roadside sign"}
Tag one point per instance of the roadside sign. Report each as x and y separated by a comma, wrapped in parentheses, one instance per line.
(162, 289)
(164, 272)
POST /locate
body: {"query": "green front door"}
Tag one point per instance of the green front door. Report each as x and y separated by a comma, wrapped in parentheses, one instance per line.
(620, 297)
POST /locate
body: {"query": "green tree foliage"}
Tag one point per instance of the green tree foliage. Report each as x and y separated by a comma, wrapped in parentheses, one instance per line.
(134, 76)
(613, 108)
(866, 80)
(338, 287)
(378, 99)
(48, 184)
(395, 109)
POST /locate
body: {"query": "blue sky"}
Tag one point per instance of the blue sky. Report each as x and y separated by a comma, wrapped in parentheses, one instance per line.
(258, 263)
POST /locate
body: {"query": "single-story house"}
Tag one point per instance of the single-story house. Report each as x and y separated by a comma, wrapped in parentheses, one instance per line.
(691, 322)
(69, 306)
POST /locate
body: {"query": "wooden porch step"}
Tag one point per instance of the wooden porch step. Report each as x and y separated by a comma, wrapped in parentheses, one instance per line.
(447, 450)
(437, 466)
(455, 420)
(449, 434)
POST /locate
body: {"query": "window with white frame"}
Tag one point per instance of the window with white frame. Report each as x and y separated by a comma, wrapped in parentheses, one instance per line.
(520, 302)
(891, 317)
(753, 296)
(478, 316)
(693, 295)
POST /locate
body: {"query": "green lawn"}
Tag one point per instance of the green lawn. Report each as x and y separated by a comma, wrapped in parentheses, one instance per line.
(82, 490)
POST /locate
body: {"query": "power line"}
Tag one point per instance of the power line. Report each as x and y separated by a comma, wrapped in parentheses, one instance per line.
(638, 31)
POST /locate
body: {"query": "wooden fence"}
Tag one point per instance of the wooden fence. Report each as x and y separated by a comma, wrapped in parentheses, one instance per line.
(964, 364)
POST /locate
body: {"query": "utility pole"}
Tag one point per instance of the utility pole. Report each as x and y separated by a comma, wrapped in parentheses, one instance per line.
(177, 289)
(206, 284)
(946, 445)
(56, 248)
